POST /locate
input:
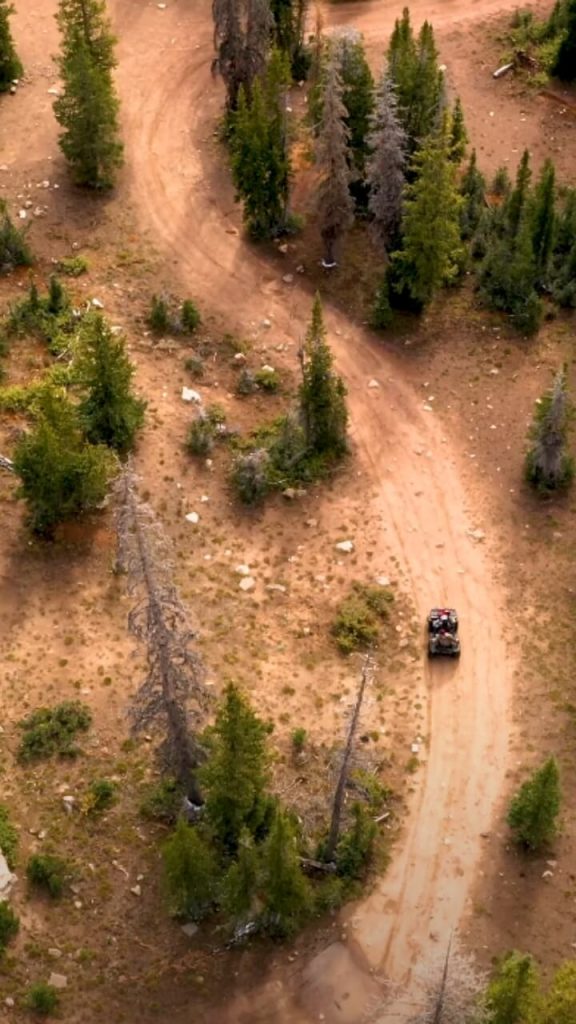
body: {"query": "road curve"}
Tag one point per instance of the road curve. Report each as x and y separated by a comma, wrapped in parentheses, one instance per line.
(170, 105)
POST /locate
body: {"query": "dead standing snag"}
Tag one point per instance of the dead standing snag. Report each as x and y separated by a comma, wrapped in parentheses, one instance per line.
(174, 689)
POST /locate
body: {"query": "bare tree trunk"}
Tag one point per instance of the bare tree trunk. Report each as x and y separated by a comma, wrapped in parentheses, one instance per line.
(343, 777)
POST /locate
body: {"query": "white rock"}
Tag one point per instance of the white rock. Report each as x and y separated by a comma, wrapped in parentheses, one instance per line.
(239, 357)
(22, 214)
(58, 980)
(136, 890)
(53, 91)
(190, 929)
(427, 408)
(288, 278)
(547, 874)
(415, 748)
(266, 322)
(373, 383)
(476, 534)
(345, 545)
(247, 583)
(276, 588)
(268, 369)
(55, 953)
(192, 517)
(243, 570)
(383, 581)
(189, 395)
(204, 498)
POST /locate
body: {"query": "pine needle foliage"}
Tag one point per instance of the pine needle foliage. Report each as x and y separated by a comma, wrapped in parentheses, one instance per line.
(10, 64)
(335, 205)
(322, 393)
(190, 872)
(288, 895)
(535, 808)
(549, 466)
(87, 110)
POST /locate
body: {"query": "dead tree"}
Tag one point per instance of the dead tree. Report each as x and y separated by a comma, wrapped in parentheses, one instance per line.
(452, 992)
(337, 806)
(174, 688)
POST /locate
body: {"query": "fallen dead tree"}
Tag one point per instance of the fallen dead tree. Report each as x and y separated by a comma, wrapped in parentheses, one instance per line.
(6, 463)
(174, 690)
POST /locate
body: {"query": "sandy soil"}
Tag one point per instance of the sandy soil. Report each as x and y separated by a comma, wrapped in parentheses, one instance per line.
(412, 505)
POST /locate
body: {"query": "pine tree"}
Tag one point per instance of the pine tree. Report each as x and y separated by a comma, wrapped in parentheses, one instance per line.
(61, 475)
(386, 164)
(322, 393)
(427, 99)
(508, 278)
(431, 251)
(512, 997)
(88, 108)
(473, 191)
(190, 872)
(110, 412)
(239, 888)
(535, 808)
(259, 28)
(229, 46)
(565, 65)
(259, 152)
(289, 22)
(402, 61)
(519, 197)
(458, 133)
(356, 844)
(334, 203)
(544, 221)
(560, 1003)
(236, 772)
(357, 97)
(286, 891)
(549, 466)
(381, 314)
(10, 65)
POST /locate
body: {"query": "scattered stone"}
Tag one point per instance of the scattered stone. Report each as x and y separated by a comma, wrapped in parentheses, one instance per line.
(204, 498)
(290, 493)
(22, 214)
(373, 383)
(300, 269)
(239, 357)
(247, 583)
(55, 953)
(552, 863)
(283, 248)
(189, 395)
(190, 929)
(494, 371)
(427, 408)
(476, 534)
(312, 522)
(192, 517)
(345, 545)
(162, 7)
(97, 304)
(288, 278)
(547, 874)
(9, 1001)
(58, 980)
(69, 802)
(415, 748)
(276, 588)
(7, 879)
(136, 890)
(266, 322)
(243, 570)
(403, 642)
(383, 581)
(53, 91)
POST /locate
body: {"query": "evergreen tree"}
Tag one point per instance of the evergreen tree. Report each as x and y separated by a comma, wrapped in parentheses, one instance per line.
(61, 475)
(427, 97)
(322, 393)
(286, 891)
(565, 64)
(110, 412)
(259, 152)
(519, 197)
(289, 23)
(229, 46)
(564, 279)
(357, 97)
(430, 251)
(240, 884)
(512, 997)
(544, 221)
(10, 65)
(236, 772)
(381, 314)
(458, 134)
(549, 466)
(402, 61)
(355, 846)
(335, 204)
(566, 224)
(88, 108)
(560, 1003)
(473, 192)
(508, 278)
(535, 808)
(386, 164)
(190, 872)
(258, 36)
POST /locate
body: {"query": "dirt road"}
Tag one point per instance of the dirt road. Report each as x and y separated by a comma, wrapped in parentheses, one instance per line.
(170, 104)
(176, 180)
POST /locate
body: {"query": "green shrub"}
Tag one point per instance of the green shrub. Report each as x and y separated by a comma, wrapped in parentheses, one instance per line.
(189, 317)
(536, 806)
(42, 999)
(246, 383)
(355, 847)
(267, 379)
(250, 476)
(14, 250)
(48, 872)
(195, 366)
(162, 802)
(51, 317)
(299, 737)
(159, 315)
(49, 731)
(190, 872)
(73, 266)
(100, 797)
(200, 439)
(501, 183)
(8, 837)
(9, 926)
(357, 623)
(371, 789)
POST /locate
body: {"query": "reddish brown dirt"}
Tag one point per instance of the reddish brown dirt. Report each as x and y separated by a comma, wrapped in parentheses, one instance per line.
(411, 508)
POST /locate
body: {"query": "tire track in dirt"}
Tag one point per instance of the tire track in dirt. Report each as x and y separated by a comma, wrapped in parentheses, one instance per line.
(170, 106)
